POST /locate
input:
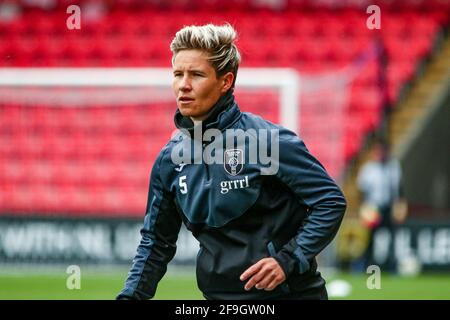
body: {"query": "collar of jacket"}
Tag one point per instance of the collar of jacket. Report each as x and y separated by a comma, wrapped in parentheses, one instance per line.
(221, 116)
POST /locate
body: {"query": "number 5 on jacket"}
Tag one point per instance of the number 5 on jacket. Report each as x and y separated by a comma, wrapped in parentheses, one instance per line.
(182, 184)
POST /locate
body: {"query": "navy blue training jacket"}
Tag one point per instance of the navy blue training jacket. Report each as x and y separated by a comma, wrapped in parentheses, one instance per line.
(238, 214)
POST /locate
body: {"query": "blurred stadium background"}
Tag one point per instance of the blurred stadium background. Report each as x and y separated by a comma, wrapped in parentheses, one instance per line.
(77, 140)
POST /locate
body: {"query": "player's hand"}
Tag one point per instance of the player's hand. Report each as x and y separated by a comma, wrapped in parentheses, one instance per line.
(265, 274)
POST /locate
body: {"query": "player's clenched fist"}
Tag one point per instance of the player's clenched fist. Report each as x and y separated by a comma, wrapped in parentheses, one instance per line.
(265, 274)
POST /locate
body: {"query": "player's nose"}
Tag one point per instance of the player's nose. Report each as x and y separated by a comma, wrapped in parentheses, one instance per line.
(185, 84)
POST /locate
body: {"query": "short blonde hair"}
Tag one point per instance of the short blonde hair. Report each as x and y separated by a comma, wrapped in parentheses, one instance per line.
(217, 41)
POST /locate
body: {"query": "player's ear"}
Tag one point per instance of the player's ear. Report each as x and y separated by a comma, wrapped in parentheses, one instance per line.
(227, 81)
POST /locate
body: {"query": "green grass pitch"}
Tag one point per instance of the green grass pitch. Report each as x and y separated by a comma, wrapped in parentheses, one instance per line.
(100, 285)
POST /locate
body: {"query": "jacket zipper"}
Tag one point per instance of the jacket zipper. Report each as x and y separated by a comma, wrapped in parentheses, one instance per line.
(205, 165)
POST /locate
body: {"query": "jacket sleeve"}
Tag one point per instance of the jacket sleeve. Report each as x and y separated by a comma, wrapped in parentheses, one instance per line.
(326, 204)
(158, 243)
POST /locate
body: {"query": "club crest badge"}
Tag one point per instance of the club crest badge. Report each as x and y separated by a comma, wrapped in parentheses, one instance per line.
(233, 161)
